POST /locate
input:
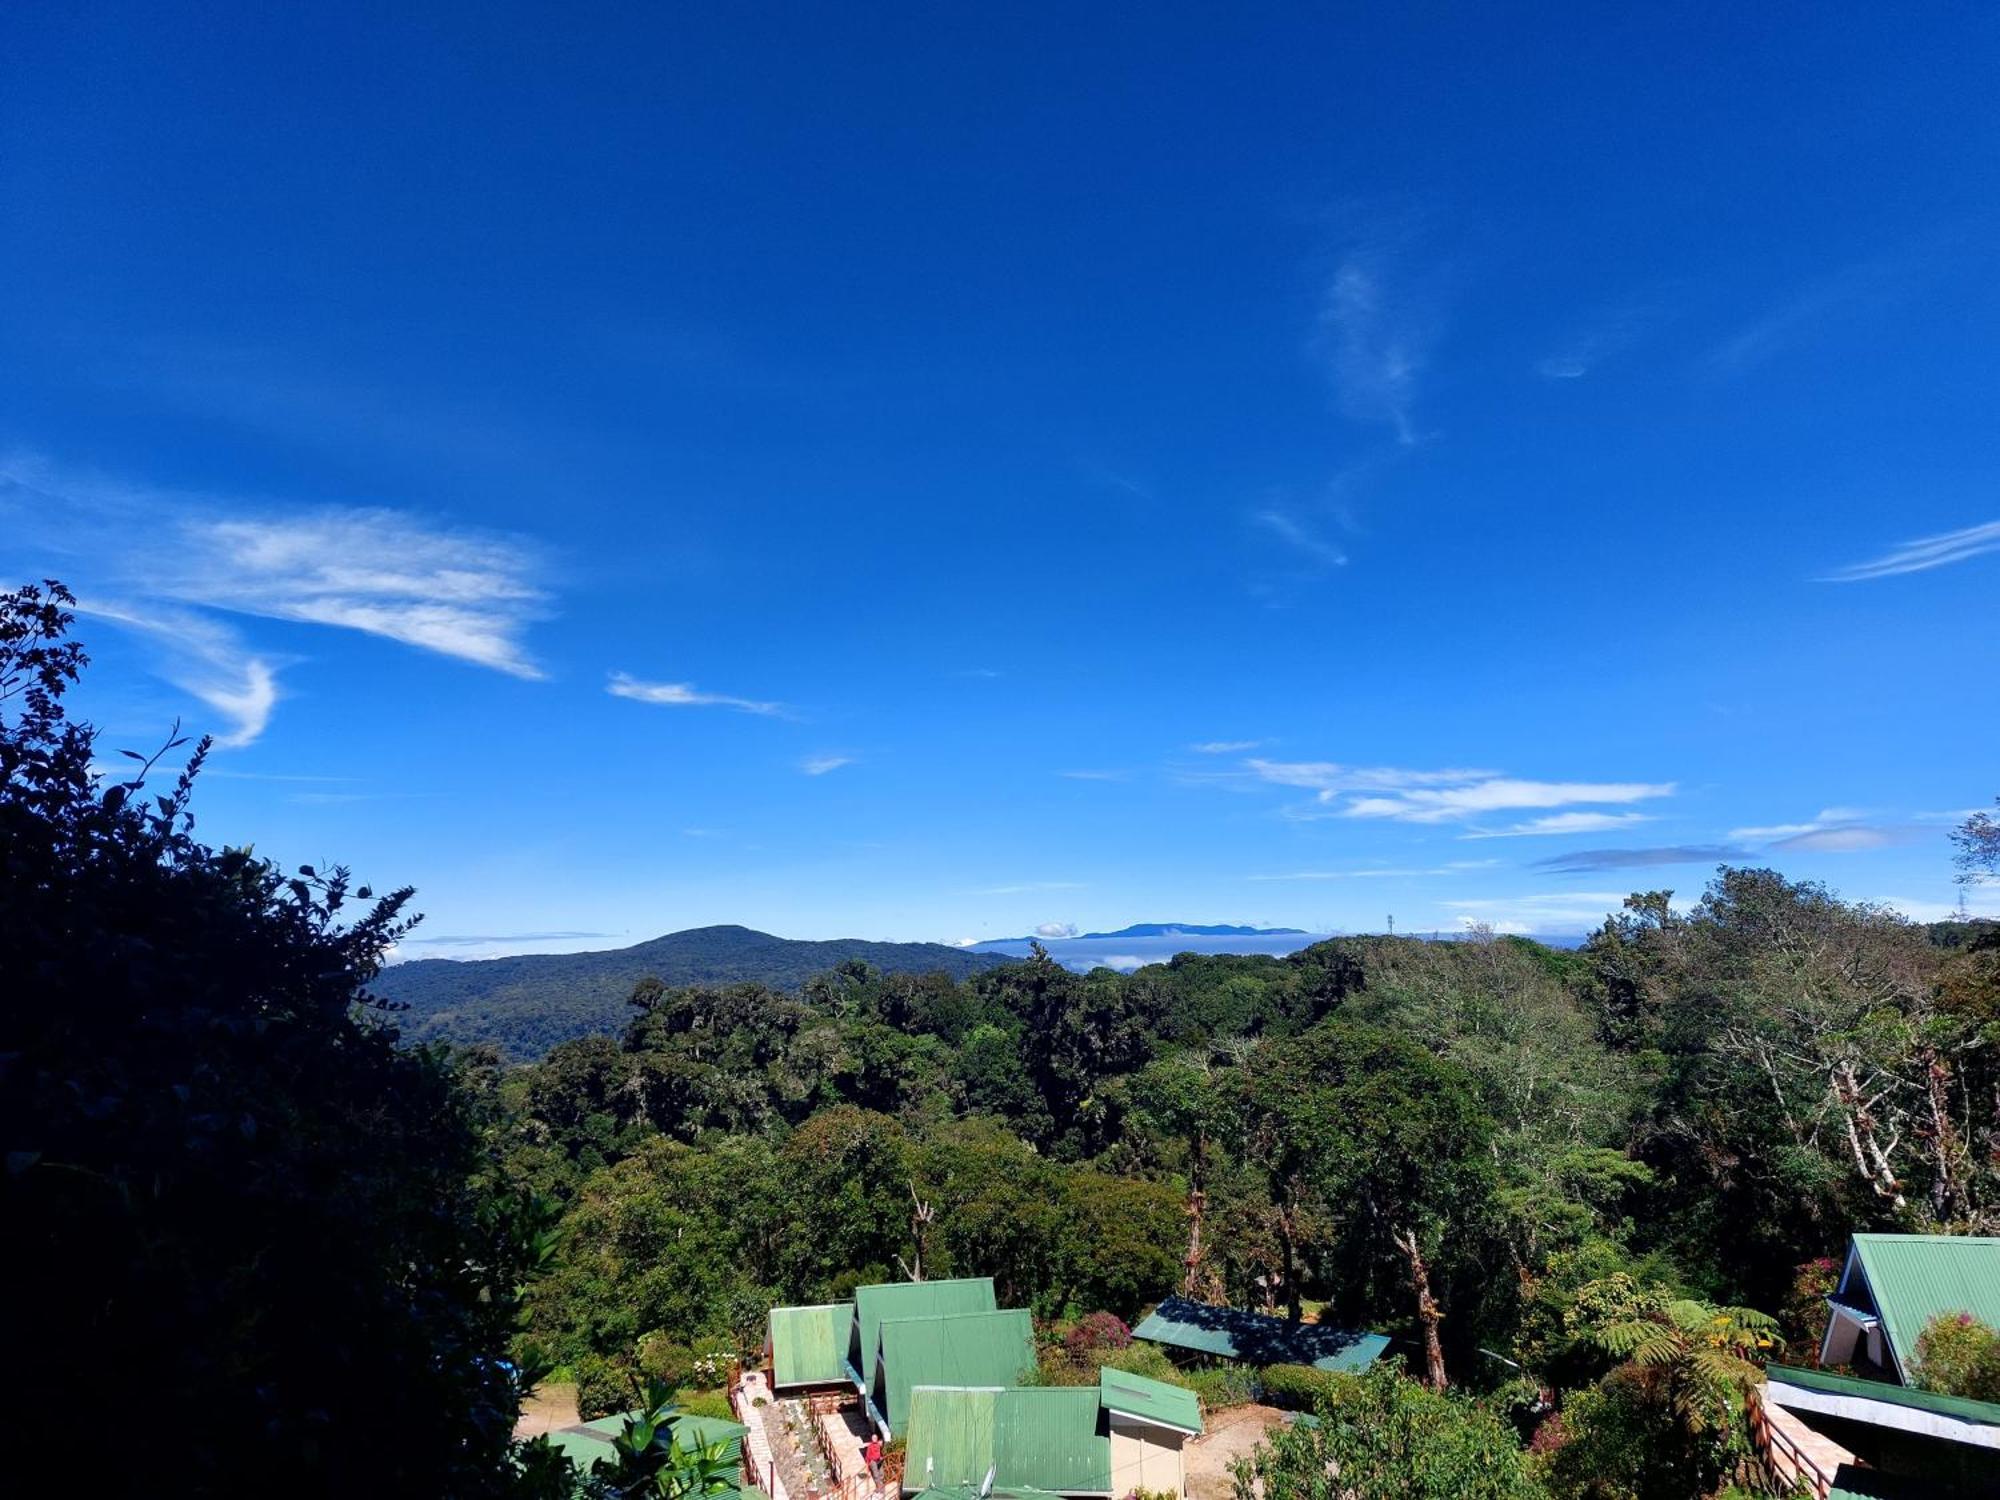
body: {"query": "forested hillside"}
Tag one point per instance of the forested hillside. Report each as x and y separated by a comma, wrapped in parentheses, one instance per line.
(1499, 1152)
(527, 1004)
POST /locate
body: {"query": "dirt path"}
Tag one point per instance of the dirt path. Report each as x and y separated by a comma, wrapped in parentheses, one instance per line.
(1232, 1433)
(549, 1406)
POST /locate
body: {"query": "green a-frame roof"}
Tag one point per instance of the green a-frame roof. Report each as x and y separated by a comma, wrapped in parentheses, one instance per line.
(1042, 1438)
(962, 1349)
(809, 1344)
(907, 1299)
(1913, 1278)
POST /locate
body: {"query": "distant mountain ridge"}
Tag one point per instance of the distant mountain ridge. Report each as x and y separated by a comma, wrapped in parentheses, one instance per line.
(1153, 930)
(528, 1003)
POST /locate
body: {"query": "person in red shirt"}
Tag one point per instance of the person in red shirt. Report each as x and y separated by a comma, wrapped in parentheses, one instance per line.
(872, 1455)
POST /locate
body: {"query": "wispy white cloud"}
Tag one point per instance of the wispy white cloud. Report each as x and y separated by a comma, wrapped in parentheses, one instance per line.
(170, 564)
(1923, 554)
(1848, 840)
(1837, 830)
(1096, 775)
(1332, 776)
(1224, 747)
(684, 695)
(1444, 796)
(204, 658)
(377, 571)
(1027, 887)
(1558, 823)
(1597, 339)
(819, 765)
(1828, 817)
(1796, 318)
(1301, 538)
(1449, 804)
(1376, 334)
(1056, 929)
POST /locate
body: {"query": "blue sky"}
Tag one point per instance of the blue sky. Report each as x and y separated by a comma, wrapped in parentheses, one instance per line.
(928, 472)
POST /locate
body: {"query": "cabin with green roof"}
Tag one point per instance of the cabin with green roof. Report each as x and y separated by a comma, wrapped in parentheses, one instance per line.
(1892, 1285)
(959, 1349)
(1874, 1438)
(807, 1346)
(906, 1299)
(1232, 1333)
(1121, 1435)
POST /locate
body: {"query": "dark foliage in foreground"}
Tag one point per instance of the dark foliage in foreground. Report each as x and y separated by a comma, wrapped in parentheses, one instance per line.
(238, 1215)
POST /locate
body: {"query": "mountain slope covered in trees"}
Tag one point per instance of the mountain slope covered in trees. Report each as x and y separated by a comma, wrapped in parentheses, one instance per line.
(526, 1004)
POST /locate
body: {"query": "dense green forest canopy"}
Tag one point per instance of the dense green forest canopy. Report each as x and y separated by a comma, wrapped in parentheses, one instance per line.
(1508, 1146)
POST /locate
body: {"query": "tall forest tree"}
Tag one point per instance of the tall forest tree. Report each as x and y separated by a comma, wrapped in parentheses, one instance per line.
(1378, 1157)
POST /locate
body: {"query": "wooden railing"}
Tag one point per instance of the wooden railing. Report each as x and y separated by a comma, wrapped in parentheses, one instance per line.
(1781, 1450)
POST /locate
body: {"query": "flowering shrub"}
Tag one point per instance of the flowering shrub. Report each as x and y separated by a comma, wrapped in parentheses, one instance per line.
(1958, 1355)
(1805, 1314)
(1098, 1330)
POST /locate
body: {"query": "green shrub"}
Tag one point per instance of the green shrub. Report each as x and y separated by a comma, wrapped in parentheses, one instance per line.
(665, 1360)
(1225, 1385)
(1385, 1435)
(1296, 1387)
(603, 1387)
(1958, 1355)
(1149, 1360)
(713, 1403)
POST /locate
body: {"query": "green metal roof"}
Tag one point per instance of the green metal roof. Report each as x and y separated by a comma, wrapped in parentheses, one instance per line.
(1149, 1400)
(1042, 1438)
(1046, 1438)
(963, 1349)
(1959, 1408)
(809, 1344)
(1253, 1338)
(1915, 1277)
(950, 1436)
(909, 1299)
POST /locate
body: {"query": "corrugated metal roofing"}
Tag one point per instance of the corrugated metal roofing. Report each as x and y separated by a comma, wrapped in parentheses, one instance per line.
(1916, 1277)
(1960, 1408)
(1253, 1338)
(1150, 1400)
(964, 1349)
(809, 1344)
(1040, 1439)
(1047, 1438)
(909, 1299)
(950, 1437)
